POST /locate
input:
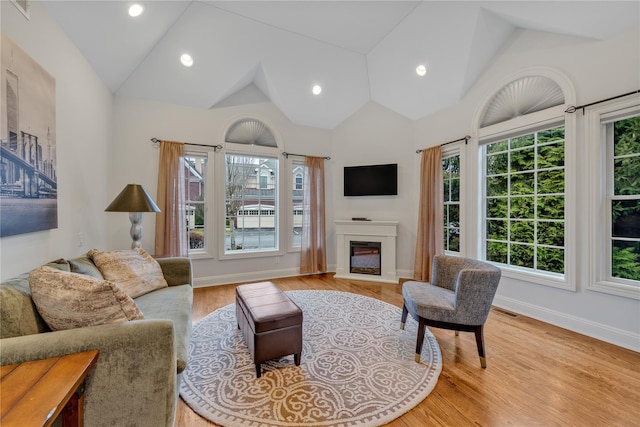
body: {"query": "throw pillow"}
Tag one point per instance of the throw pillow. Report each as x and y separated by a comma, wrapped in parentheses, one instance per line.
(84, 265)
(68, 300)
(134, 271)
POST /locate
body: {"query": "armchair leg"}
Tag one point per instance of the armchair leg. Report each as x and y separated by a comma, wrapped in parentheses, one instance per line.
(480, 344)
(421, 326)
(403, 319)
(483, 362)
(457, 333)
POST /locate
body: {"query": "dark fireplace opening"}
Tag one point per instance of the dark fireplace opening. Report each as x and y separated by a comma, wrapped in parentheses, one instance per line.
(365, 258)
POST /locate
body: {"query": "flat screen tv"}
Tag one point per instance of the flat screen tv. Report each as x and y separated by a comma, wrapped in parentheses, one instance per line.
(372, 180)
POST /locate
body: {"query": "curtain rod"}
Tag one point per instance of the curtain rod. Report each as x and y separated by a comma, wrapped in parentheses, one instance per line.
(286, 155)
(156, 141)
(573, 109)
(465, 139)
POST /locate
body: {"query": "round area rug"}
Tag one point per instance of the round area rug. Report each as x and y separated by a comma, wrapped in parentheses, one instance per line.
(357, 367)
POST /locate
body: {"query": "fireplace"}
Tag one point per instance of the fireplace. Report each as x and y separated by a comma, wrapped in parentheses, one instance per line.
(365, 258)
(366, 250)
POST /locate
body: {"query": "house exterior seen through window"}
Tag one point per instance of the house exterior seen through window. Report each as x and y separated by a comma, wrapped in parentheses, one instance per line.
(251, 203)
(297, 172)
(195, 198)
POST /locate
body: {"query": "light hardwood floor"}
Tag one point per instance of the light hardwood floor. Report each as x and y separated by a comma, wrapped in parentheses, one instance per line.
(537, 374)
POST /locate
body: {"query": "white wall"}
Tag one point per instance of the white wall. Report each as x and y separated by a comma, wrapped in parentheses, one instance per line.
(135, 160)
(376, 135)
(598, 70)
(84, 128)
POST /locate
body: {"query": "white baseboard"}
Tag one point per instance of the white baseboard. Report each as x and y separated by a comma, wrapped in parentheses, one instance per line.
(405, 274)
(257, 276)
(244, 277)
(580, 325)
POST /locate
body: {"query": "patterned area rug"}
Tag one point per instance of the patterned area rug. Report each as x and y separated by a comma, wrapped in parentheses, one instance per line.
(357, 367)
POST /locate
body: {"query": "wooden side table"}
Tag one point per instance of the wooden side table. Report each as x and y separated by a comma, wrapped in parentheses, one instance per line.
(35, 393)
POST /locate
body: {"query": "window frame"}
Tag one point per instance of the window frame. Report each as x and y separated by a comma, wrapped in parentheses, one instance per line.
(452, 150)
(523, 125)
(209, 214)
(291, 164)
(601, 186)
(220, 194)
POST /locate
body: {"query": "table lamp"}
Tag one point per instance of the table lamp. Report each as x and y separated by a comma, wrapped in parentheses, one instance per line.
(135, 200)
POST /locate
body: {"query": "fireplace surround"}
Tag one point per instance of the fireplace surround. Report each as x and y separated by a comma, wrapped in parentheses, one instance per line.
(376, 234)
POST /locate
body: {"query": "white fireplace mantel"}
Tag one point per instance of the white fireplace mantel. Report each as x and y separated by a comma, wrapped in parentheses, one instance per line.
(385, 232)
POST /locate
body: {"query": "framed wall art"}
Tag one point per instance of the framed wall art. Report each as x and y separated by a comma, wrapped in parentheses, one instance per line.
(28, 181)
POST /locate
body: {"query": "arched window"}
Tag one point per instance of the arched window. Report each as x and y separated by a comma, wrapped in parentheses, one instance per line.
(251, 179)
(525, 143)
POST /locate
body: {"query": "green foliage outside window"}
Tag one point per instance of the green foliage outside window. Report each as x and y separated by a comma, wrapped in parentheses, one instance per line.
(451, 214)
(524, 203)
(625, 203)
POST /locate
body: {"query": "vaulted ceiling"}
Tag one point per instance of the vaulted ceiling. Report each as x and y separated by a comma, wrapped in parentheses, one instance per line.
(358, 51)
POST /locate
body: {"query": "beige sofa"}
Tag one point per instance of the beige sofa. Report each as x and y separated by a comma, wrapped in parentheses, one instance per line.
(136, 379)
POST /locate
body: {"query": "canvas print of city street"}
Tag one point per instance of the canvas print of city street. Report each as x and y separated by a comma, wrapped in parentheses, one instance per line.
(28, 183)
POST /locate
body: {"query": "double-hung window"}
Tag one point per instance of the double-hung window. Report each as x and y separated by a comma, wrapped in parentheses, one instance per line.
(615, 135)
(297, 174)
(451, 174)
(196, 187)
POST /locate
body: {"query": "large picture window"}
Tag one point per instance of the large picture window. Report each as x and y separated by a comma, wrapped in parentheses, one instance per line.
(251, 203)
(524, 201)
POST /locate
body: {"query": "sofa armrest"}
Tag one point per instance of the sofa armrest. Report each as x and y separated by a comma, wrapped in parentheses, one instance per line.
(177, 270)
(134, 380)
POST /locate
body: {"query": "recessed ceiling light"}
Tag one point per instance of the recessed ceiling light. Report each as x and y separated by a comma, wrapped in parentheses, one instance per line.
(421, 70)
(186, 60)
(136, 9)
(316, 89)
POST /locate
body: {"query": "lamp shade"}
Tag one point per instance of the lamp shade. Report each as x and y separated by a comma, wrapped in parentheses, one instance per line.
(133, 198)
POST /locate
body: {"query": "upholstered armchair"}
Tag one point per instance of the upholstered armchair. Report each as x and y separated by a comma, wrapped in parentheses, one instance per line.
(459, 297)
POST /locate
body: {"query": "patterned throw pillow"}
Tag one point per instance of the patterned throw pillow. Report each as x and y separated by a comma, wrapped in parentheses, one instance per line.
(134, 271)
(68, 300)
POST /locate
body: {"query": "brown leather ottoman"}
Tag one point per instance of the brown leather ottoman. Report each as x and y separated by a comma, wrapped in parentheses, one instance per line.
(270, 322)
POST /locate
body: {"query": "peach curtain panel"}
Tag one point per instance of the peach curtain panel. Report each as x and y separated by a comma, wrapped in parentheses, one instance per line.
(171, 229)
(313, 254)
(430, 237)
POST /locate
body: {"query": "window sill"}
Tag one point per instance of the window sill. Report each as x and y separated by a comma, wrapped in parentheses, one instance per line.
(536, 278)
(249, 254)
(619, 289)
(201, 255)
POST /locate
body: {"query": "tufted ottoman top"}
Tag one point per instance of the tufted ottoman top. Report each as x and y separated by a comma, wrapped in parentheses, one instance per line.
(267, 307)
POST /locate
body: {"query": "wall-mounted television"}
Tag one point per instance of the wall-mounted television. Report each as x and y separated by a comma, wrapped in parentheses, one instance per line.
(371, 180)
